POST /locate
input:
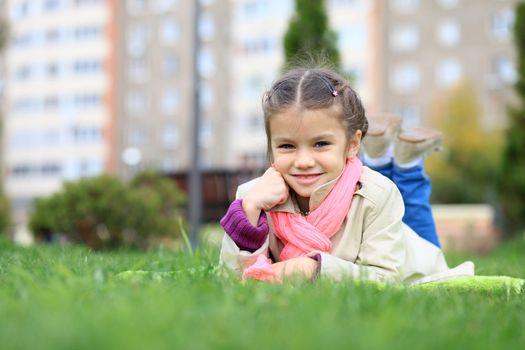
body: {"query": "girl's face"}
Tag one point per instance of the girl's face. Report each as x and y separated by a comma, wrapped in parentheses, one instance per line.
(310, 148)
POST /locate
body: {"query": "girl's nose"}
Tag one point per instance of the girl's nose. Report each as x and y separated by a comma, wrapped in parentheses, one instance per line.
(304, 160)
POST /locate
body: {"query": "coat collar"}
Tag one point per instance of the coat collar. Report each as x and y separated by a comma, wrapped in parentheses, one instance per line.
(318, 195)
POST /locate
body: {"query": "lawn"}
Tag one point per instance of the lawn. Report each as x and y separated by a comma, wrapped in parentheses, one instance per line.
(55, 297)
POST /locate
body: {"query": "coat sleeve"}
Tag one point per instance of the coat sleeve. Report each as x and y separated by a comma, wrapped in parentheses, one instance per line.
(382, 249)
(233, 257)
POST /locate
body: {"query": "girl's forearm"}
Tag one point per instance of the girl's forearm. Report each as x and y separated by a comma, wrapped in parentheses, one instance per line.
(246, 236)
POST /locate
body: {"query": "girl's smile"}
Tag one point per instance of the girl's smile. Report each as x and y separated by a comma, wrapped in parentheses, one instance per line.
(310, 149)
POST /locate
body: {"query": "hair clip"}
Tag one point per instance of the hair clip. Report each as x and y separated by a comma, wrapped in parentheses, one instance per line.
(335, 93)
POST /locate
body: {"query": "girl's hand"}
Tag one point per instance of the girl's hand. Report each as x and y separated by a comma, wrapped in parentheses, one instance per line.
(269, 191)
(302, 267)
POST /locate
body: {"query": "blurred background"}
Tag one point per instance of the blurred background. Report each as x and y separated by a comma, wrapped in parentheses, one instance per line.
(93, 87)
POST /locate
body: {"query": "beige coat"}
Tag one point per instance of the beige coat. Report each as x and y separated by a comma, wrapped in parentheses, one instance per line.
(372, 243)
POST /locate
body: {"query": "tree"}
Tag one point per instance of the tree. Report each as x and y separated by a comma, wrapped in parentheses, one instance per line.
(103, 212)
(464, 172)
(5, 210)
(308, 34)
(512, 177)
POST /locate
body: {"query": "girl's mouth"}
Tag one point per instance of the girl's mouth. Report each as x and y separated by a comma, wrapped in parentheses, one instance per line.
(306, 179)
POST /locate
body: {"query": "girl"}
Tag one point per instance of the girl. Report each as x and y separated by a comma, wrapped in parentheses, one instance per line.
(317, 210)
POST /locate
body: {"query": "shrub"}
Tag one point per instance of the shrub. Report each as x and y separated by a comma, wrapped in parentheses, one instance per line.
(5, 214)
(103, 212)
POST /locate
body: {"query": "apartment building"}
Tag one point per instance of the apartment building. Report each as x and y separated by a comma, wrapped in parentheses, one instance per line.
(431, 45)
(156, 58)
(257, 56)
(57, 112)
(106, 86)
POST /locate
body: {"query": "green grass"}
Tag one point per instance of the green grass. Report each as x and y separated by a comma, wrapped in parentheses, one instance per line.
(71, 298)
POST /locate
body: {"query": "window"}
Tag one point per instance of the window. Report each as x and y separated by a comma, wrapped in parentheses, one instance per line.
(168, 65)
(206, 27)
(50, 169)
(404, 6)
(88, 66)
(161, 6)
(86, 32)
(259, 45)
(21, 170)
(206, 63)
(23, 72)
(74, 168)
(23, 138)
(502, 23)
(87, 100)
(21, 9)
(207, 96)
(137, 70)
(53, 5)
(136, 40)
(448, 33)
(255, 9)
(169, 32)
(170, 136)
(505, 70)
(136, 102)
(206, 134)
(404, 38)
(136, 136)
(405, 78)
(170, 100)
(448, 72)
(86, 134)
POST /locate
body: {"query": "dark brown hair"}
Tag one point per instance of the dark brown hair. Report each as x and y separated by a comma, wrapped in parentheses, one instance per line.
(310, 89)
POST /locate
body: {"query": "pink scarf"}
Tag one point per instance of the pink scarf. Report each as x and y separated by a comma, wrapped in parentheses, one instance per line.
(302, 235)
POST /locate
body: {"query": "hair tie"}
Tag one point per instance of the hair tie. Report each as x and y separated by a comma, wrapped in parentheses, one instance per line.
(329, 85)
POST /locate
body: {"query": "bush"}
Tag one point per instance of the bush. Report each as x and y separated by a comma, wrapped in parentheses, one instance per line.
(103, 212)
(5, 214)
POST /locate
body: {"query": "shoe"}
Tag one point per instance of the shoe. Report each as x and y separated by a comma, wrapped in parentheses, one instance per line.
(382, 131)
(416, 143)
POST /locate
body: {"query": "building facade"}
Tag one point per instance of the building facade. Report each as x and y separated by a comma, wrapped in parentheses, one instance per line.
(57, 110)
(430, 46)
(155, 78)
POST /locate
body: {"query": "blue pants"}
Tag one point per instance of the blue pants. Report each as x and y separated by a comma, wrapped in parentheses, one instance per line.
(415, 189)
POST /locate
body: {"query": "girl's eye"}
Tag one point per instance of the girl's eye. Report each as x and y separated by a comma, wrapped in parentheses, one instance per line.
(321, 144)
(286, 146)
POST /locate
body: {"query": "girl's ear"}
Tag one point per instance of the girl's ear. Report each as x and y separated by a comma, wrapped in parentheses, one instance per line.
(353, 145)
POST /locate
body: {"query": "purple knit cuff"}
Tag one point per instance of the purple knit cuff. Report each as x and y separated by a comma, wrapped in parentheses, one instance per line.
(241, 231)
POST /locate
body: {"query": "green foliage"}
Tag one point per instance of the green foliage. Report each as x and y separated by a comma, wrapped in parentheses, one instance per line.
(465, 171)
(5, 214)
(71, 298)
(103, 212)
(309, 36)
(512, 179)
